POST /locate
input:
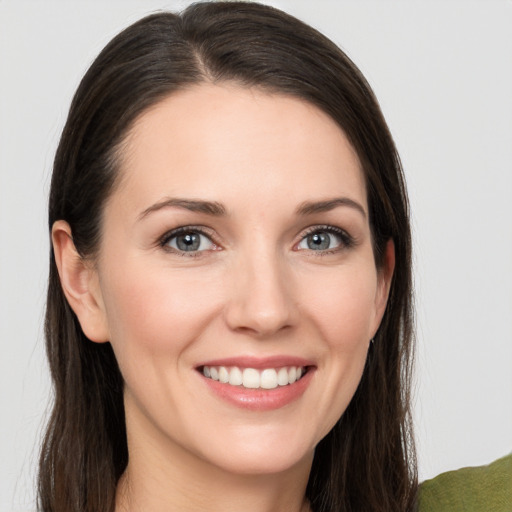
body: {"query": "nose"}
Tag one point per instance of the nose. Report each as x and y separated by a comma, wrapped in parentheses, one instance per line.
(261, 301)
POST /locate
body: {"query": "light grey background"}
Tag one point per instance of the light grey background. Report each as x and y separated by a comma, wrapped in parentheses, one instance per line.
(442, 71)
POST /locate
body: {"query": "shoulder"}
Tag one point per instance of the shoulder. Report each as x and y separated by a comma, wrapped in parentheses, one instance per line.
(476, 489)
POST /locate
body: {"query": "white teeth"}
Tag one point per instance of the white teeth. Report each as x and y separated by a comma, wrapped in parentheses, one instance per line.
(250, 378)
(235, 377)
(223, 375)
(282, 377)
(268, 379)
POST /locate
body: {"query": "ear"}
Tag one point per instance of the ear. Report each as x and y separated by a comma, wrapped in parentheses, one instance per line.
(384, 278)
(80, 284)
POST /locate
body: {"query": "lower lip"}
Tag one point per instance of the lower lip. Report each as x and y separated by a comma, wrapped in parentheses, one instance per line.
(260, 399)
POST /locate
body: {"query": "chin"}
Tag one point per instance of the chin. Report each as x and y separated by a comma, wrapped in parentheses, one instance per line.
(260, 451)
(264, 463)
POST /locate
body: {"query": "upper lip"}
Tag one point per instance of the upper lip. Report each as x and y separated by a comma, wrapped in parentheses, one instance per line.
(259, 363)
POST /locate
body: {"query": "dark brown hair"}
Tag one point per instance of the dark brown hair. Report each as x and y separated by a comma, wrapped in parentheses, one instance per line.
(367, 461)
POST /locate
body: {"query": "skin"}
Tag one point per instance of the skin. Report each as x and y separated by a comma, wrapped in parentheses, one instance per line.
(257, 289)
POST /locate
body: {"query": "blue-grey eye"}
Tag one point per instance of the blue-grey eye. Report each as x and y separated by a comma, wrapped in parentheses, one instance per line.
(190, 241)
(320, 241)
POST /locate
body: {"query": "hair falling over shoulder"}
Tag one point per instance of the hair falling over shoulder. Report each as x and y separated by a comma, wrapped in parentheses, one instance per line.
(367, 461)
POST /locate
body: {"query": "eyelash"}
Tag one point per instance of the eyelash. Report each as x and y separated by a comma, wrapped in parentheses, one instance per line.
(347, 241)
(167, 237)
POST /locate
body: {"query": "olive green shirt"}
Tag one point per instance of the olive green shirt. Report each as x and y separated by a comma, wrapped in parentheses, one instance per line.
(477, 489)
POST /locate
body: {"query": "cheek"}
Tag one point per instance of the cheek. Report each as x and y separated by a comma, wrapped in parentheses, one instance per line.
(343, 306)
(157, 311)
(343, 311)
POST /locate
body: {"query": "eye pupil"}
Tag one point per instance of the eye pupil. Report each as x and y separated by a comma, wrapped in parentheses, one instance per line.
(188, 242)
(319, 241)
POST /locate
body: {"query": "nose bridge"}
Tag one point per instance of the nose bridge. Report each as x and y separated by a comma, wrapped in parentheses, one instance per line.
(261, 301)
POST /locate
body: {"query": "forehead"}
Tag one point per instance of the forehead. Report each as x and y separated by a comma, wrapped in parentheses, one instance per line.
(241, 143)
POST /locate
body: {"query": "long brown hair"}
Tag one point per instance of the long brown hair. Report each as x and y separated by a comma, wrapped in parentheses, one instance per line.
(367, 461)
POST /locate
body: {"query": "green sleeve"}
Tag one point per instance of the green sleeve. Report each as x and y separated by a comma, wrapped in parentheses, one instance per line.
(478, 489)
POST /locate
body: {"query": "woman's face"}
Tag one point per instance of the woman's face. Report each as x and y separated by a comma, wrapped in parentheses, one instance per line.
(237, 247)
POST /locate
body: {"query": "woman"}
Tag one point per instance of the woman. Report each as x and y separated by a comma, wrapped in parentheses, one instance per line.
(229, 310)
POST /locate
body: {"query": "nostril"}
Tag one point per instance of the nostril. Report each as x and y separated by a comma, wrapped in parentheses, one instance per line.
(261, 306)
(262, 330)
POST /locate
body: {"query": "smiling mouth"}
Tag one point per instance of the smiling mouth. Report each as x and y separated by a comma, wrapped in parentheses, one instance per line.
(251, 378)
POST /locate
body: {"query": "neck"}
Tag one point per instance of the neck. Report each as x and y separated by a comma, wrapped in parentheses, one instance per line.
(153, 489)
(228, 493)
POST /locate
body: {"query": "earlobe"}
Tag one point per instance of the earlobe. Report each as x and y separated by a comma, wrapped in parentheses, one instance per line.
(79, 281)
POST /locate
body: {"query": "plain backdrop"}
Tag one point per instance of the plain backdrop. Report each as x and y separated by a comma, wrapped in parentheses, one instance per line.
(442, 71)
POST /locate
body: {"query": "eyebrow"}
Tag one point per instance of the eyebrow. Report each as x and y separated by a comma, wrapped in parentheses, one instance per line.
(193, 205)
(217, 209)
(311, 207)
